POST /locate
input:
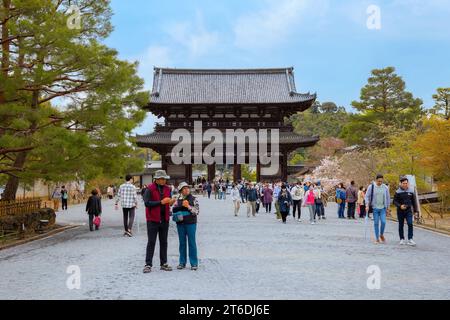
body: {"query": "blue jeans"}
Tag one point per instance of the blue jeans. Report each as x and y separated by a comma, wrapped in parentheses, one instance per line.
(341, 210)
(379, 215)
(186, 236)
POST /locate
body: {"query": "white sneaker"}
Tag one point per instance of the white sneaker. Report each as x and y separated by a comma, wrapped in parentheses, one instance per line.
(313, 223)
(411, 243)
(402, 242)
(299, 220)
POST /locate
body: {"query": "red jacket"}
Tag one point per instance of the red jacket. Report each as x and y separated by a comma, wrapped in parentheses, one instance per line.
(154, 214)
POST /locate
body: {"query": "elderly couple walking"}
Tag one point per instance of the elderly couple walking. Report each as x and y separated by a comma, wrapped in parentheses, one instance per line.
(158, 200)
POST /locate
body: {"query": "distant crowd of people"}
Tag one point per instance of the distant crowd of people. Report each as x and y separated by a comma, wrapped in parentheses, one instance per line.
(164, 202)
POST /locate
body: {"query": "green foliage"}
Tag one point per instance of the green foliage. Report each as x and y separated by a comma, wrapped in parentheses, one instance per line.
(442, 106)
(324, 120)
(68, 106)
(247, 173)
(384, 106)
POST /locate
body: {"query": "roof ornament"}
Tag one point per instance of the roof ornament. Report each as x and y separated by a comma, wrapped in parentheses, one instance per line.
(288, 79)
(158, 88)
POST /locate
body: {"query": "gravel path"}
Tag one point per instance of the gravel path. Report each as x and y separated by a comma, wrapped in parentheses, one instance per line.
(240, 258)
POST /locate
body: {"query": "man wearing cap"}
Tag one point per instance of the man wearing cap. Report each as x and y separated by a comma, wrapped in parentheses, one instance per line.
(185, 212)
(157, 199)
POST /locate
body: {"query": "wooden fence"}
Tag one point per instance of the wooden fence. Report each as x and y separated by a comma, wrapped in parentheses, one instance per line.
(19, 206)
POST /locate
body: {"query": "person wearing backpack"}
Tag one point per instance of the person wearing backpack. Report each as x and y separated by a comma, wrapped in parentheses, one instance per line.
(351, 198)
(340, 200)
(94, 210)
(56, 197)
(64, 197)
(284, 202)
(297, 194)
(320, 207)
(378, 201)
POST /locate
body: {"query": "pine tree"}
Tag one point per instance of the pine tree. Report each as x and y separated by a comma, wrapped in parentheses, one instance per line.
(67, 103)
(384, 107)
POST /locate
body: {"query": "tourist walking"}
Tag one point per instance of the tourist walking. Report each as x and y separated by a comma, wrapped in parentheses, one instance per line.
(361, 202)
(224, 191)
(158, 199)
(94, 210)
(110, 192)
(284, 202)
(144, 187)
(318, 202)
(258, 198)
(236, 197)
(209, 189)
(128, 199)
(351, 197)
(406, 203)
(276, 193)
(251, 197)
(297, 193)
(56, 197)
(242, 191)
(268, 198)
(378, 200)
(309, 202)
(185, 212)
(64, 198)
(340, 200)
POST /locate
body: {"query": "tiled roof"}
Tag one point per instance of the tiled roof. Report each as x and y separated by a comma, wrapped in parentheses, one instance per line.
(226, 86)
(164, 138)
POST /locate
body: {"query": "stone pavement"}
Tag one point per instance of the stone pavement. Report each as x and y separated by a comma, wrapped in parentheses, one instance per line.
(240, 258)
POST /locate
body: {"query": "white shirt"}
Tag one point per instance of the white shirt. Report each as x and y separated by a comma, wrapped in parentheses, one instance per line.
(235, 195)
(297, 193)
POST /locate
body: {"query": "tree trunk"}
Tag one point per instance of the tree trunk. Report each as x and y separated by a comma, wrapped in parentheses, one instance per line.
(13, 182)
(5, 46)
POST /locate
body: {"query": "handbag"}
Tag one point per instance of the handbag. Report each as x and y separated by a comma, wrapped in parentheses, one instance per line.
(97, 221)
(179, 216)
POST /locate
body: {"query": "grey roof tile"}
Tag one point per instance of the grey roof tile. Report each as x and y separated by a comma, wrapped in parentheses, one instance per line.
(164, 138)
(226, 86)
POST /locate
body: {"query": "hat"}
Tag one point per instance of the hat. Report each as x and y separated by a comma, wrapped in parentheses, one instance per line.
(161, 174)
(182, 185)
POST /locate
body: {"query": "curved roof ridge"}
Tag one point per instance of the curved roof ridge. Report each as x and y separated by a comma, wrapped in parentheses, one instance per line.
(224, 70)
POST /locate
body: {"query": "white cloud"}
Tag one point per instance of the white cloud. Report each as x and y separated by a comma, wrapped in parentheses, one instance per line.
(275, 23)
(193, 36)
(154, 56)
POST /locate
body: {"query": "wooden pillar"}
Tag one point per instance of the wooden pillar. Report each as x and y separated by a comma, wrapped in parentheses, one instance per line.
(237, 172)
(211, 172)
(188, 170)
(164, 160)
(284, 165)
(258, 172)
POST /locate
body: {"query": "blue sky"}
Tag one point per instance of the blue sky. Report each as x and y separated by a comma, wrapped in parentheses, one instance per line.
(326, 41)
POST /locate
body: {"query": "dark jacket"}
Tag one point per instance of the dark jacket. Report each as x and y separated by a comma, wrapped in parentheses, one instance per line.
(94, 205)
(284, 200)
(251, 195)
(192, 218)
(405, 197)
(351, 194)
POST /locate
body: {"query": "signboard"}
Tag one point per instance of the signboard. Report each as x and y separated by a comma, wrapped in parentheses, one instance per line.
(413, 186)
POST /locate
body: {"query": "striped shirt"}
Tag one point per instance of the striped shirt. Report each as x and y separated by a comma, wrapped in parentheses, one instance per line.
(127, 196)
